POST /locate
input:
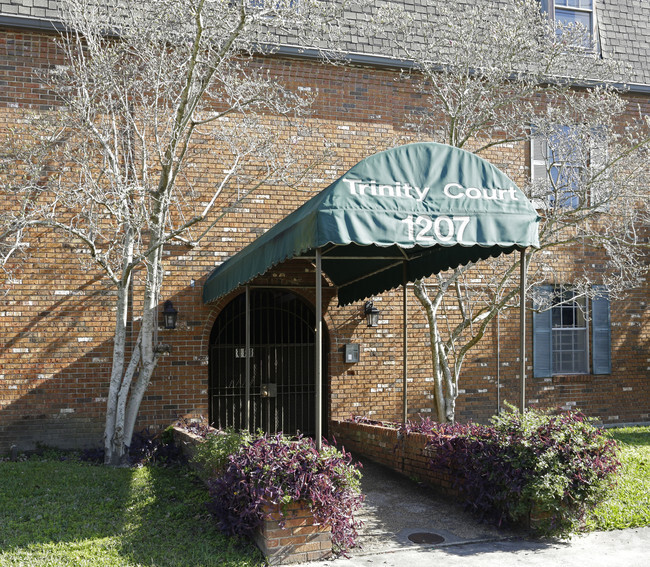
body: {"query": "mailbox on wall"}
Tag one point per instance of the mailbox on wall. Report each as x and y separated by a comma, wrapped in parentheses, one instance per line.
(351, 353)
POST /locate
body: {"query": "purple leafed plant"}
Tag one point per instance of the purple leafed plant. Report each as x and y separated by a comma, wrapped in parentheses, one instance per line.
(271, 470)
(553, 463)
(556, 464)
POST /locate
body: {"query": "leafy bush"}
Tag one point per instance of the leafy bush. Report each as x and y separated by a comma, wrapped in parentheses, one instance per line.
(275, 470)
(556, 465)
(426, 426)
(212, 454)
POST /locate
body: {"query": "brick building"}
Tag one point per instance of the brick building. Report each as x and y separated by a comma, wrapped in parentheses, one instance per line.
(56, 318)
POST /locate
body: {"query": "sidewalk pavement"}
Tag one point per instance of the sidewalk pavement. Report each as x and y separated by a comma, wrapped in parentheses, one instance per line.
(396, 508)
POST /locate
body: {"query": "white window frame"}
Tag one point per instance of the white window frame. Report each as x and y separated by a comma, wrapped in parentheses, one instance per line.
(551, 7)
(542, 165)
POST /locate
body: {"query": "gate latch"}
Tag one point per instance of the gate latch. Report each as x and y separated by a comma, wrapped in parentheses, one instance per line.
(269, 390)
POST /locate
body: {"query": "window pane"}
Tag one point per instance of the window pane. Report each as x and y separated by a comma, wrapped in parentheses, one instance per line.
(565, 149)
(565, 145)
(573, 17)
(566, 181)
(569, 333)
(584, 4)
(556, 317)
(568, 316)
(570, 351)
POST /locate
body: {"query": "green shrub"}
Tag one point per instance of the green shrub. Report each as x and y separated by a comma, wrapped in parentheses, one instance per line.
(571, 463)
(555, 465)
(212, 454)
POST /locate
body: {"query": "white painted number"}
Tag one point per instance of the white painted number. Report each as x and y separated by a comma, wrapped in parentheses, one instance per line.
(441, 229)
(426, 225)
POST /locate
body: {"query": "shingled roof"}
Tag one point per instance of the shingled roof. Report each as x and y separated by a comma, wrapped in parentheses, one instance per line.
(623, 28)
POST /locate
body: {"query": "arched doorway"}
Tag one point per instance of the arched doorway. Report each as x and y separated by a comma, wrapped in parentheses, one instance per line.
(282, 393)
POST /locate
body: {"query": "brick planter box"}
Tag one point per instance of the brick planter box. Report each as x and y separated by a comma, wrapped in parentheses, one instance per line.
(187, 442)
(300, 538)
(405, 454)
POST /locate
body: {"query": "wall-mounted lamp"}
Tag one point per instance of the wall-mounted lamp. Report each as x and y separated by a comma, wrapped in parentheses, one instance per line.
(169, 315)
(372, 314)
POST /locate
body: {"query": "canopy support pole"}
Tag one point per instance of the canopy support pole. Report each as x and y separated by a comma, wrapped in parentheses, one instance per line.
(319, 351)
(404, 344)
(522, 327)
(247, 354)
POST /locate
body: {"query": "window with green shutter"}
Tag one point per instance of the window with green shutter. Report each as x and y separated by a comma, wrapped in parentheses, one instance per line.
(561, 333)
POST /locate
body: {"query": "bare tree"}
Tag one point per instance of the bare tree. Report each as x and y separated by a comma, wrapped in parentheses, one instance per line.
(149, 90)
(20, 192)
(509, 78)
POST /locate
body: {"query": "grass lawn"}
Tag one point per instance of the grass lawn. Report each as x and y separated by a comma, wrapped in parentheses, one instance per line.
(629, 505)
(68, 513)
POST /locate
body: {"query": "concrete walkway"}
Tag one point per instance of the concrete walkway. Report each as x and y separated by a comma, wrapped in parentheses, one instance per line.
(396, 508)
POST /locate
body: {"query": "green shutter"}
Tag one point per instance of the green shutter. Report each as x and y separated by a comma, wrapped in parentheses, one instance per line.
(601, 332)
(542, 338)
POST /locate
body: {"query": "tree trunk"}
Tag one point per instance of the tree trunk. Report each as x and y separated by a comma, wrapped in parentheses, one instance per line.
(444, 391)
(113, 433)
(149, 354)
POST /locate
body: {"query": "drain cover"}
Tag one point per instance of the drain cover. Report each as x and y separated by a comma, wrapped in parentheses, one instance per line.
(426, 537)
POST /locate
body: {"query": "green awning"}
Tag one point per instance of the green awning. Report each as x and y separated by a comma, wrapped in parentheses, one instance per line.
(432, 206)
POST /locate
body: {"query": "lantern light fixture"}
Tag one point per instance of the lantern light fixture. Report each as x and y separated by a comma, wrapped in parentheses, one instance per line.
(372, 314)
(169, 315)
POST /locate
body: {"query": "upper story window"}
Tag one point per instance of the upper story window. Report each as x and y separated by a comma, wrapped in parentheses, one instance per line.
(565, 166)
(573, 13)
(557, 163)
(274, 4)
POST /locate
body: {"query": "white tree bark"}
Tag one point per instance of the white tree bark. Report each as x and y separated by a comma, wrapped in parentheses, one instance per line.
(143, 83)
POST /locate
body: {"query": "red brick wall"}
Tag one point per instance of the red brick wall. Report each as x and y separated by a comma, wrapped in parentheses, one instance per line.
(56, 319)
(293, 535)
(405, 454)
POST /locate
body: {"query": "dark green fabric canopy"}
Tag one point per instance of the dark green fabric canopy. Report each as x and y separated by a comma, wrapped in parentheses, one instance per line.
(426, 206)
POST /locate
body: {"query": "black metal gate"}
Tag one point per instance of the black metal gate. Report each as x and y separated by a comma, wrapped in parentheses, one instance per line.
(282, 367)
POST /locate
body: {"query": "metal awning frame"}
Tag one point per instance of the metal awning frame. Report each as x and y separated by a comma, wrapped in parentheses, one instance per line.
(319, 341)
(318, 287)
